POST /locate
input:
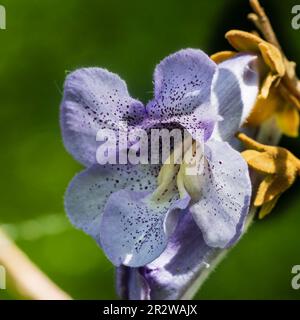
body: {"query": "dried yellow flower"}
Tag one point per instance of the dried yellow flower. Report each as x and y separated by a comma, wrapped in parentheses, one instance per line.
(264, 108)
(279, 94)
(222, 56)
(243, 41)
(288, 120)
(279, 167)
(246, 41)
(284, 110)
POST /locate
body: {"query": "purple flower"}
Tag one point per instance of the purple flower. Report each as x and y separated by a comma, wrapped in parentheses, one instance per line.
(154, 222)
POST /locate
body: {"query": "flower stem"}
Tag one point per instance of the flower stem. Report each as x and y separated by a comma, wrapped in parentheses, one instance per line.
(26, 279)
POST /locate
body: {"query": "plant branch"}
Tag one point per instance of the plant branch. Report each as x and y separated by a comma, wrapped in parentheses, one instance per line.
(27, 279)
(263, 24)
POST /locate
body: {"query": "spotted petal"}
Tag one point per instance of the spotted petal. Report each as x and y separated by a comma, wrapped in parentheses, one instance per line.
(172, 275)
(94, 99)
(182, 84)
(135, 228)
(235, 88)
(88, 192)
(220, 213)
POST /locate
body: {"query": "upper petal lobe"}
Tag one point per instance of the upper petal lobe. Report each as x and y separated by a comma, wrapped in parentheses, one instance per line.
(94, 99)
(182, 86)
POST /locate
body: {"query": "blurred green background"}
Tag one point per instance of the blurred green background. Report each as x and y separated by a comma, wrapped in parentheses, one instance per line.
(46, 38)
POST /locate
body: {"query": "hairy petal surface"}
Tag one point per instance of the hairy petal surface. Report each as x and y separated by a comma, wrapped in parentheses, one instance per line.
(135, 228)
(173, 273)
(221, 211)
(89, 191)
(182, 85)
(94, 99)
(235, 89)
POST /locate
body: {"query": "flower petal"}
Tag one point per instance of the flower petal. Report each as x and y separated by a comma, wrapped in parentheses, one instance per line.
(222, 56)
(88, 192)
(226, 193)
(182, 84)
(273, 186)
(235, 88)
(94, 99)
(262, 162)
(267, 85)
(131, 285)
(264, 108)
(268, 207)
(135, 229)
(174, 272)
(243, 41)
(287, 117)
(273, 58)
